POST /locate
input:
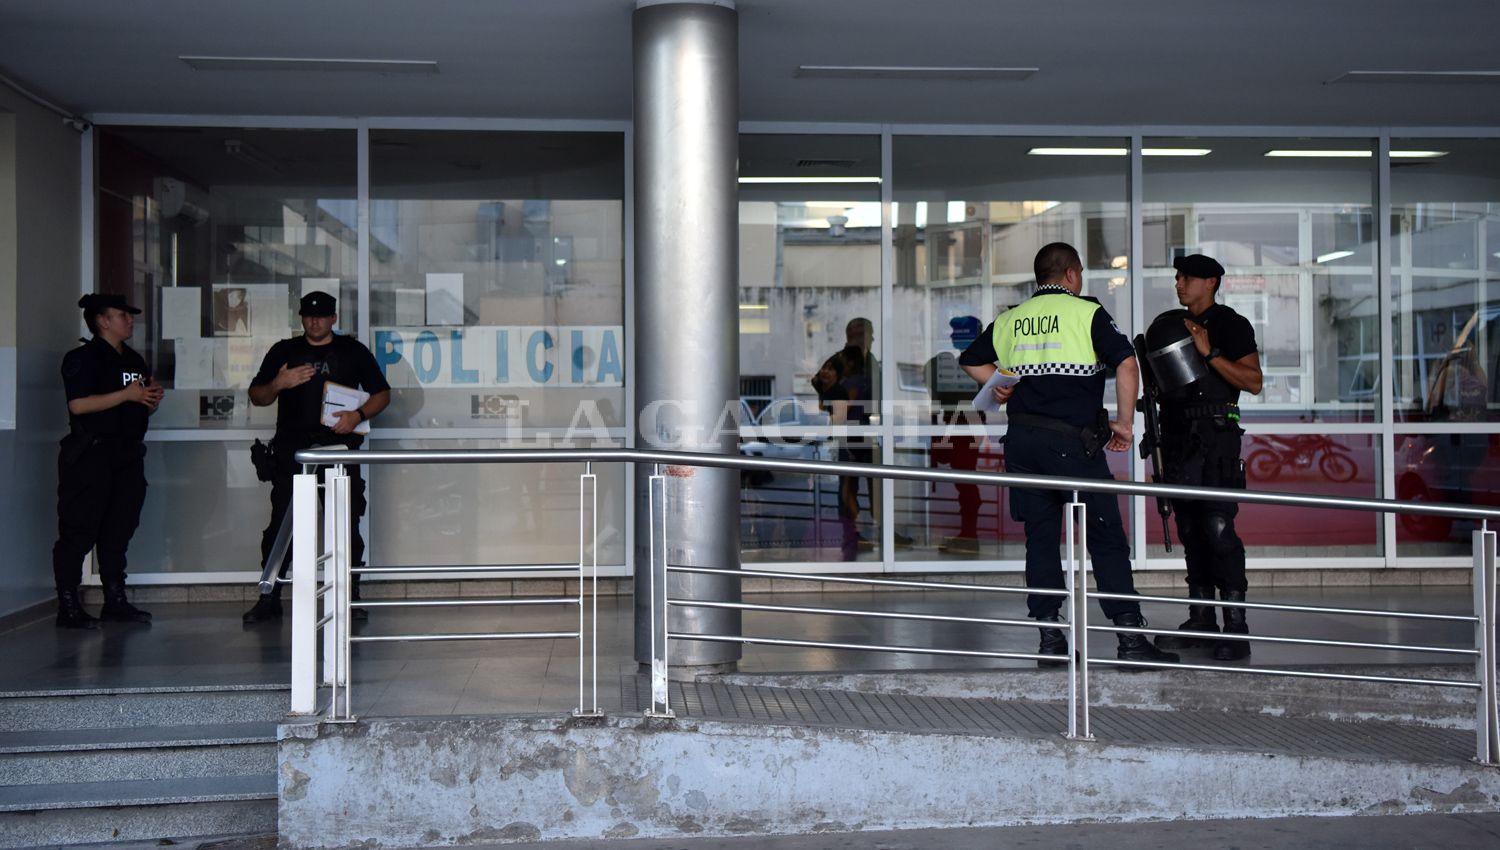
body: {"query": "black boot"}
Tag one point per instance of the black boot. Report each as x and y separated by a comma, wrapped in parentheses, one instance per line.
(1136, 647)
(70, 613)
(1053, 642)
(117, 607)
(1201, 618)
(1234, 624)
(267, 608)
(356, 614)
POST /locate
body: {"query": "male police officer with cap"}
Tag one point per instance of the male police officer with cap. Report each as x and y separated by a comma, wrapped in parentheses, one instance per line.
(1201, 446)
(101, 477)
(1061, 343)
(292, 377)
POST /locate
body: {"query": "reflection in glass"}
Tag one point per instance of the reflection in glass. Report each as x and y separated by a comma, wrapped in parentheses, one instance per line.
(497, 277)
(1445, 226)
(969, 216)
(216, 233)
(1463, 469)
(1318, 464)
(204, 509)
(791, 517)
(1297, 238)
(437, 514)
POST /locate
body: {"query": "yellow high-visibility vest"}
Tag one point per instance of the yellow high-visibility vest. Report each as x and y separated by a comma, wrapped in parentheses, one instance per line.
(1048, 334)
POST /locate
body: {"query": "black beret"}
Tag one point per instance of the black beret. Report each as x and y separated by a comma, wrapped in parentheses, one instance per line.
(97, 302)
(317, 304)
(1198, 265)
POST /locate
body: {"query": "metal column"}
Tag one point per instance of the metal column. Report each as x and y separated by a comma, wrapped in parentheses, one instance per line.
(686, 327)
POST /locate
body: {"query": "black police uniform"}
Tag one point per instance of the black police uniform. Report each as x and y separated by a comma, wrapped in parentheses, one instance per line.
(1048, 417)
(101, 477)
(1201, 434)
(299, 425)
(1201, 446)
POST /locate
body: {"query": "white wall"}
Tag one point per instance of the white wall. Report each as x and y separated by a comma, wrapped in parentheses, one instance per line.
(47, 325)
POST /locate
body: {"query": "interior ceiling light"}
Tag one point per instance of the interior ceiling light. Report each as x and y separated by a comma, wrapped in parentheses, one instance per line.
(809, 179)
(914, 72)
(1353, 154)
(1417, 77)
(272, 63)
(1334, 255)
(1119, 151)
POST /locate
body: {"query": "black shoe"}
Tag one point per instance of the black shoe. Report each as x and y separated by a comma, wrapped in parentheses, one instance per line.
(266, 608)
(70, 613)
(1137, 647)
(1201, 619)
(1052, 642)
(1234, 624)
(117, 607)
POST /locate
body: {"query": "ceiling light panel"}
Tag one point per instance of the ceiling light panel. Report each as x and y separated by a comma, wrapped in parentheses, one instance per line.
(1428, 77)
(272, 63)
(914, 72)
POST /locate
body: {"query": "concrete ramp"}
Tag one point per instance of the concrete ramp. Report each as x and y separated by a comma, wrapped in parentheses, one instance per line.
(764, 760)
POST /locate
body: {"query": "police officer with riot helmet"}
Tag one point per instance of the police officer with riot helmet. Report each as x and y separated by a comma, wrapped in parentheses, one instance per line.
(1201, 433)
(1061, 344)
(101, 477)
(292, 376)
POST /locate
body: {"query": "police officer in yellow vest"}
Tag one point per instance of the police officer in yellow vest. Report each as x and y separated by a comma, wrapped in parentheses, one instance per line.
(1061, 344)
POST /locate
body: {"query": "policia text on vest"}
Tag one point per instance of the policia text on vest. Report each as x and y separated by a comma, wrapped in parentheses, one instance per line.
(101, 477)
(1063, 345)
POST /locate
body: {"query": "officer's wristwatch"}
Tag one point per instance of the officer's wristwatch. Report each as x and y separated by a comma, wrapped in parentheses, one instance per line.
(1212, 353)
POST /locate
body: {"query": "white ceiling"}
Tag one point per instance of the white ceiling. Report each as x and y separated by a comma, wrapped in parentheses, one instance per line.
(1166, 62)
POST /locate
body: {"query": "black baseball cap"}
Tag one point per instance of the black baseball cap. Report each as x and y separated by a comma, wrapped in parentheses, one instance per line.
(318, 304)
(96, 303)
(1198, 265)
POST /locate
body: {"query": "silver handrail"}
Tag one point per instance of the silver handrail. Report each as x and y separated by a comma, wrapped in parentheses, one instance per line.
(904, 473)
(1076, 591)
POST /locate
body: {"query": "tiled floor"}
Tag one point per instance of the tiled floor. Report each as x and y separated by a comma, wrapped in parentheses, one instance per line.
(198, 644)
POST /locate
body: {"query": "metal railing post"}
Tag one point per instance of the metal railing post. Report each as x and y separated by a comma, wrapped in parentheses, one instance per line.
(330, 585)
(588, 555)
(1078, 619)
(342, 564)
(660, 705)
(1487, 722)
(304, 591)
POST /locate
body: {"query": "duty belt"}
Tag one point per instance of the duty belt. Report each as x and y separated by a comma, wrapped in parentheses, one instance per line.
(1093, 438)
(1206, 411)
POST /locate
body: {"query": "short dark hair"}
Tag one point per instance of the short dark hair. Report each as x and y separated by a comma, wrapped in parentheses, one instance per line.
(1053, 261)
(93, 309)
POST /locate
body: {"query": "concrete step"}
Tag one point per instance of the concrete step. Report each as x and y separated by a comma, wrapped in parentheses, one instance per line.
(84, 812)
(112, 708)
(153, 752)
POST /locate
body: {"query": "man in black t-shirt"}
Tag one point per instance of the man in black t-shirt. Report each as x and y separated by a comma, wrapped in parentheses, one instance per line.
(292, 377)
(101, 477)
(1201, 446)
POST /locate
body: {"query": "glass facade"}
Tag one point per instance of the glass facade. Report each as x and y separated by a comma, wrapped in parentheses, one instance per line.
(496, 303)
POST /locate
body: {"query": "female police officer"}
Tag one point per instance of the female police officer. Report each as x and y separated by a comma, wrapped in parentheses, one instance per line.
(101, 478)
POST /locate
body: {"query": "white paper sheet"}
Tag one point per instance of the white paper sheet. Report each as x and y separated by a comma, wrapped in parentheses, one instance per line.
(195, 359)
(445, 299)
(181, 312)
(984, 400)
(270, 311)
(338, 398)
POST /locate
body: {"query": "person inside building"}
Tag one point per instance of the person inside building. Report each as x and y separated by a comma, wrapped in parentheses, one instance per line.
(846, 384)
(292, 377)
(1201, 446)
(1061, 344)
(951, 391)
(101, 473)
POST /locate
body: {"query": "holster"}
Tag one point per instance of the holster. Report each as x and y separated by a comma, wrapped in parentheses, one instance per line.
(263, 458)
